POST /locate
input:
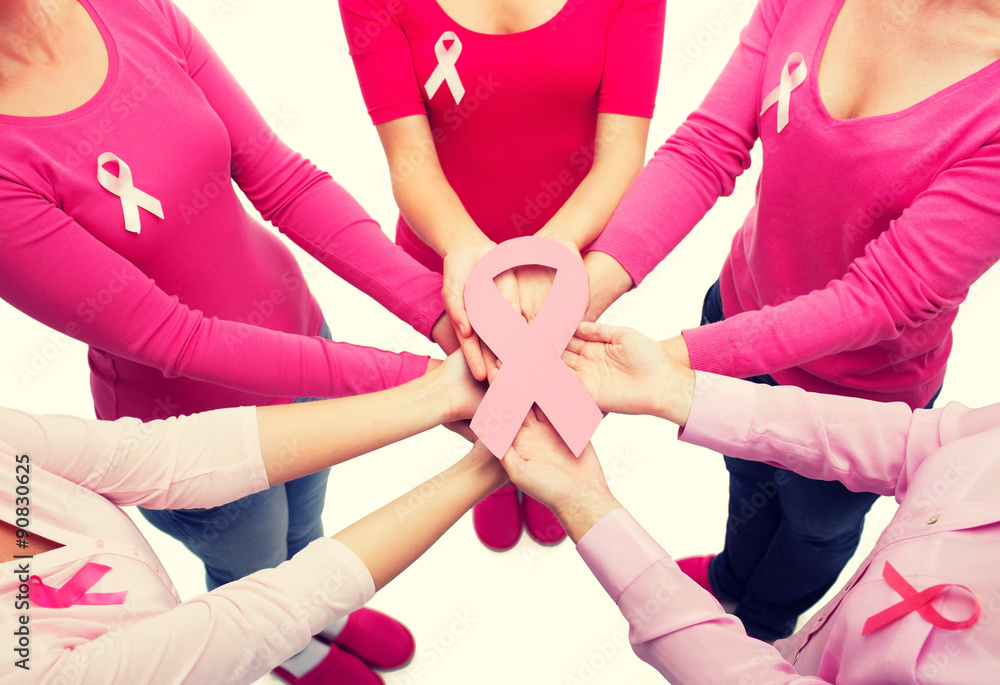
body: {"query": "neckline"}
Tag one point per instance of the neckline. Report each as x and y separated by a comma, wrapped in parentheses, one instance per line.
(102, 93)
(820, 52)
(516, 34)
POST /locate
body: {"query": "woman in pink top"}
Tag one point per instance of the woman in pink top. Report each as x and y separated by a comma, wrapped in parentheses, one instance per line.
(505, 120)
(940, 552)
(877, 208)
(121, 135)
(93, 598)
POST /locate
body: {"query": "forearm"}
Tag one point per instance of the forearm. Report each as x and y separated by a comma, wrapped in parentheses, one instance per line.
(392, 538)
(299, 439)
(619, 152)
(425, 197)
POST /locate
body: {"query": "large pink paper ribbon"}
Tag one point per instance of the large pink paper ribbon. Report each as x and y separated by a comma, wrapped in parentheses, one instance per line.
(75, 590)
(782, 95)
(445, 70)
(919, 602)
(121, 185)
(533, 370)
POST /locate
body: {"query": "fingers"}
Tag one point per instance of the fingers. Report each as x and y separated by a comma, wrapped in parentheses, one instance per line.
(597, 332)
(453, 296)
(473, 353)
(492, 364)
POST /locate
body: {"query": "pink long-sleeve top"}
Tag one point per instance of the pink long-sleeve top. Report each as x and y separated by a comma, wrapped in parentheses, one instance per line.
(941, 465)
(518, 137)
(80, 473)
(203, 308)
(866, 235)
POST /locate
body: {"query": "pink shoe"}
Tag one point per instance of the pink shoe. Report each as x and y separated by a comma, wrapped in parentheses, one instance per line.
(696, 568)
(336, 668)
(543, 526)
(379, 640)
(497, 519)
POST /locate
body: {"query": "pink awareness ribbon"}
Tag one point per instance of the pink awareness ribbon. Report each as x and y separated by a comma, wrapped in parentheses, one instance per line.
(919, 602)
(445, 70)
(75, 590)
(533, 370)
(782, 95)
(121, 185)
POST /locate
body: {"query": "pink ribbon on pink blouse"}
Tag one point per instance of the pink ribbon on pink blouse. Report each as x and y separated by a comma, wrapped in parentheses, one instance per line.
(75, 590)
(121, 185)
(533, 370)
(919, 602)
(782, 95)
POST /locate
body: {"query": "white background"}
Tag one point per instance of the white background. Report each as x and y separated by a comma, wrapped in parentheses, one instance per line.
(533, 614)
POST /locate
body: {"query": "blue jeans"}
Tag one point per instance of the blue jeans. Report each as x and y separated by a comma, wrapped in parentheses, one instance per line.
(255, 532)
(787, 537)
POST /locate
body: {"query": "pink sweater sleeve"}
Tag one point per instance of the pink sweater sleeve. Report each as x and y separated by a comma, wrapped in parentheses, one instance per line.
(201, 460)
(632, 58)
(304, 202)
(674, 625)
(866, 445)
(917, 270)
(698, 164)
(381, 54)
(148, 326)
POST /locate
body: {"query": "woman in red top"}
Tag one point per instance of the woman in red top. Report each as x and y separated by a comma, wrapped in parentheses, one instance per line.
(502, 120)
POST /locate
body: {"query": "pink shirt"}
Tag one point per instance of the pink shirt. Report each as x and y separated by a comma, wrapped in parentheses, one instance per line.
(943, 469)
(203, 308)
(81, 472)
(847, 274)
(521, 138)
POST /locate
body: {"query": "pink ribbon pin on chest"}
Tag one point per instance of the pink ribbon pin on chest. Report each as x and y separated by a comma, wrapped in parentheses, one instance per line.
(533, 370)
(789, 81)
(445, 71)
(121, 185)
(74, 591)
(919, 602)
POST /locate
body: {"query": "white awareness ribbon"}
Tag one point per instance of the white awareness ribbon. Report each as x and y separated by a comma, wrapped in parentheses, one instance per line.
(132, 198)
(790, 80)
(445, 70)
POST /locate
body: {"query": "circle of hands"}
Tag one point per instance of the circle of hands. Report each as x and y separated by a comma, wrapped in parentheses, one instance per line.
(623, 370)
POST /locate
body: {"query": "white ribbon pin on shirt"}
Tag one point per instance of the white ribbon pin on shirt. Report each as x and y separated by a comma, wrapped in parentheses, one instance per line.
(790, 80)
(445, 70)
(132, 198)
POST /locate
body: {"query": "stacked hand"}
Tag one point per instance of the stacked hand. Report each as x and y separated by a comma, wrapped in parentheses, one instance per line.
(626, 372)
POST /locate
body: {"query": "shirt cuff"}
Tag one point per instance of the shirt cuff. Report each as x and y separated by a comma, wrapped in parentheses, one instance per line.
(722, 413)
(257, 476)
(617, 549)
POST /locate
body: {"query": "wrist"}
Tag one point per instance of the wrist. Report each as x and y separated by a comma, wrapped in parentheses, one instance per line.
(584, 511)
(676, 397)
(470, 237)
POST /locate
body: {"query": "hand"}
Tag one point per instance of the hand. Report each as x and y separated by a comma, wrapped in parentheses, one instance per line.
(461, 393)
(574, 488)
(458, 264)
(534, 282)
(443, 333)
(628, 373)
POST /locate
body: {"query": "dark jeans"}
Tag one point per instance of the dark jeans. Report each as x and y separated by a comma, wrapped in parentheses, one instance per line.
(255, 532)
(787, 537)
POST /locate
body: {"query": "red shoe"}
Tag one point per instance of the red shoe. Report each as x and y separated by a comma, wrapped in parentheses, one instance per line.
(497, 519)
(542, 525)
(696, 568)
(380, 641)
(336, 668)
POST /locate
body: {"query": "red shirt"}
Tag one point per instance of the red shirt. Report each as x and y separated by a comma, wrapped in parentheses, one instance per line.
(518, 141)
